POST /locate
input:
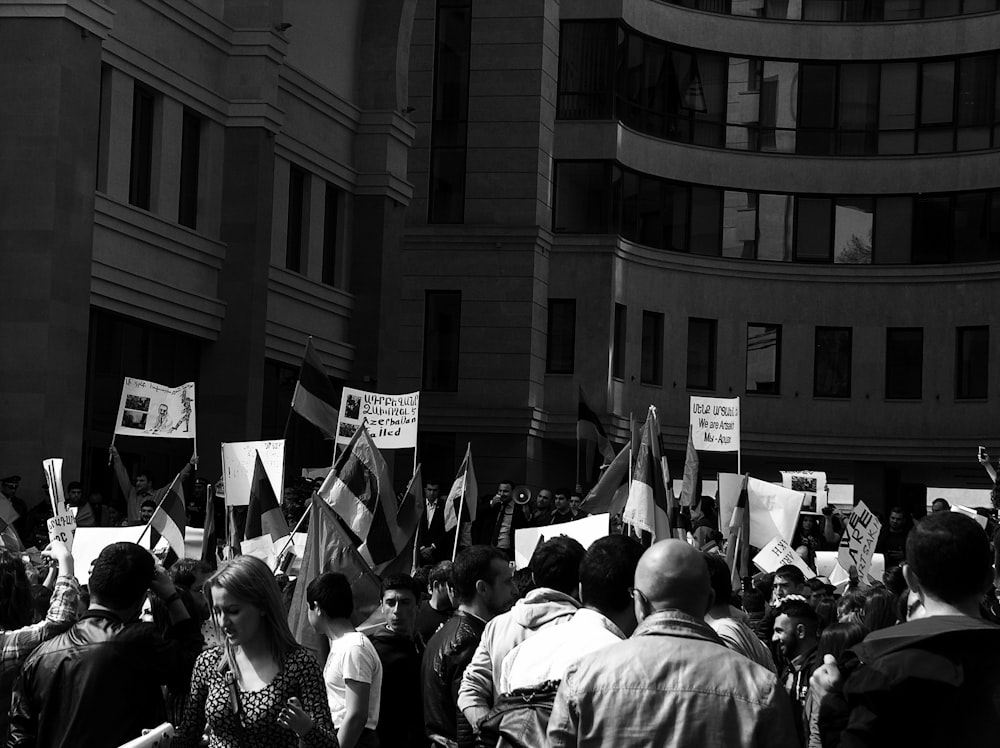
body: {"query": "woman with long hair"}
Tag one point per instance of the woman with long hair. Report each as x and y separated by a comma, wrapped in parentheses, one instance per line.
(835, 640)
(260, 688)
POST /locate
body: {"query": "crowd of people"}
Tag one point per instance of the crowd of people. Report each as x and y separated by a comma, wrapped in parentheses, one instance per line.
(617, 644)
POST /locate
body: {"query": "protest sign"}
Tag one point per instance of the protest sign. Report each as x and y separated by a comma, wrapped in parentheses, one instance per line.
(809, 482)
(778, 553)
(62, 524)
(261, 547)
(62, 527)
(774, 510)
(715, 424)
(858, 541)
(150, 409)
(828, 566)
(970, 513)
(390, 419)
(238, 459)
(585, 530)
(88, 543)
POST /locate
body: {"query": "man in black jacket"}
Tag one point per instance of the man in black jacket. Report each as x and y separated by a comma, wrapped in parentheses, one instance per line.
(99, 684)
(499, 518)
(934, 680)
(482, 579)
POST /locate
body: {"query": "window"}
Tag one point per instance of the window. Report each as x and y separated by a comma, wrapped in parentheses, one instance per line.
(651, 371)
(818, 109)
(897, 113)
(931, 230)
(706, 221)
(295, 233)
(140, 179)
(701, 354)
(832, 362)
(187, 204)
(904, 358)
(893, 226)
(581, 197)
(331, 229)
(937, 94)
(586, 65)
(763, 359)
(618, 342)
(972, 353)
(442, 323)
(852, 231)
(812, 241)
(561, 344)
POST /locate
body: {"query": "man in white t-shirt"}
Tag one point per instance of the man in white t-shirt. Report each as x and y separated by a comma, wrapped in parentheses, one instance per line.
(353, 672)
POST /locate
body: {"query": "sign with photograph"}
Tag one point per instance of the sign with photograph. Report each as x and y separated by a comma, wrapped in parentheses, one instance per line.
(390, 419)
(150, 409)
(715, 424)
(238, 459)
(809, 482)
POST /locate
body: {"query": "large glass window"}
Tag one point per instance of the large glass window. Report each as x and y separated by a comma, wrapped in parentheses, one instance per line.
(701, 354)
(852, 230)
(931, 230)
(331, 234)
(893, 226)
(187, 201)
(295, 232)
(897, 113)
(561, 347)
(141, 165)
(763, 359)
(817, 108)
(586, 68)
(937, 107)
(972, 355)
(832, 362)
(618, 342)
(442, 325)
(976, 101)
(904, 360)
(651, 371)
(812, 217)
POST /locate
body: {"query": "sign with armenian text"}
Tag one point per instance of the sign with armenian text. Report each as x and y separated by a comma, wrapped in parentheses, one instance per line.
(857, 544)
(150, 409)
(390, 419)
(779, 553)
(238, 460)
(715, 424)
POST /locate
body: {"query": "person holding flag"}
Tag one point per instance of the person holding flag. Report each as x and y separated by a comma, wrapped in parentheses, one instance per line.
(142, 489)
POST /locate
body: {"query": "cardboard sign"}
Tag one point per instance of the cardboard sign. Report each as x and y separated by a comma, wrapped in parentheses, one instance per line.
(778, 553)
(715, 424)
(238, 459)
(809, 482)
(150, 409)
(88, 542)
(828, 566)
(62, 525)
(585, 531)
(390, 419)
(857, 545)
(62, 528)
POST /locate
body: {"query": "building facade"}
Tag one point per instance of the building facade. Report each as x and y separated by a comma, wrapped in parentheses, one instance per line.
(793, 202)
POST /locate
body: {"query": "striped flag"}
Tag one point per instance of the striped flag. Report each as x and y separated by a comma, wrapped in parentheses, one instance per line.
(170, 518)
(464, 493)
(209, 540)
(689, 489)
(314, 398)
(408, 515)
(360, 491)
(329, 548)
(264, 516)
(738, 547)
(647, 508)
(611, 490)
(590, 431)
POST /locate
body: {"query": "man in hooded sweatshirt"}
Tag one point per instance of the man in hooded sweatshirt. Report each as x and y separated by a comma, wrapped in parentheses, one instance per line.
(555, 567)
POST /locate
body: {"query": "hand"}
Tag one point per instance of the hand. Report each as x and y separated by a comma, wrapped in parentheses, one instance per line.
(984, 458)
(826, 677)
(194, 459)
(113, 450)
(162, 585)
(293, 717)
(60, 553)
(427, 554)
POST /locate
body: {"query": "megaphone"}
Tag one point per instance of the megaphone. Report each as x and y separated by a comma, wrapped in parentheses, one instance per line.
(522, 495)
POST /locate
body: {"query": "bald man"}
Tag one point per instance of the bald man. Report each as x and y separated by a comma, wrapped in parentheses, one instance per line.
(673, 683)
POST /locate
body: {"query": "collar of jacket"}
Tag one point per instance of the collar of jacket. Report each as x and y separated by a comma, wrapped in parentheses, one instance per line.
(905, 635)
(676, 623)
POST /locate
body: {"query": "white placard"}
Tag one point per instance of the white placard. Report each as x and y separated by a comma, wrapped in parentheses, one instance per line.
(390, 419)
(62, 528)
(238, 459)
(585, 531)
(150, 409)
(778, 553)
(809, 482)
(715, 424)
(970, 513)
(857, 544)
(261, 547)
(88, 542)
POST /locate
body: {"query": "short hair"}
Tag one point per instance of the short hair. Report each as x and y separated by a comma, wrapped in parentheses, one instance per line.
(899, 510)
(402, 582)
(15, 592)
(149, 503)
(74, 484)
(802, 612)
(332, 593)
(792, 573)
(184, 570)
(943, 501)
(506, 481)
(950, 555)
(881, 609)
(147, 474)
(471, 565)
(556, 564)
(607, 571)
(121, 575)
(440, 572)
(753, 601)
(721, 578)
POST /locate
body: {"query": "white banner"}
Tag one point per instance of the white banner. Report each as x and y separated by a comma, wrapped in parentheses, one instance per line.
(857, 545)
(90, 541)
(62, 525)
(585, 530)
(778, 553)
(238, 460)
(150, 409)
(774, 509)
(809, 482)
(715, 424)
(390, 419)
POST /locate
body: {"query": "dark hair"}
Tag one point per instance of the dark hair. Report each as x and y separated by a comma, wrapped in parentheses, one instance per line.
(893, 579)
(524, 582)
(852, 601)
(764, 583)
(950, 555)
(184, 570)
(402, 582)
(440, 572)
(420, 576)
(801, 611)
(74, 484)
(16, 605)
(332, 592)
(753, 601)
(826, 613)
(792, 573)
(607, 571)
(147, 474)
(721, 578)
(556, 564)
(899, 510)
(506, 481)
(148, 502)
(471, 565)
(880, 611)
(837, 638)
(942, 500)
(121, 575)
(41, 596)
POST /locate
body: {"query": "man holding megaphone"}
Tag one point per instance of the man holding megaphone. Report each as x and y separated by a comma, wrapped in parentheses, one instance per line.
(499, 518)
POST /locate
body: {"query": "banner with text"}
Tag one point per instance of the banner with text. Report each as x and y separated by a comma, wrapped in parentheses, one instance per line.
(150, 409)
(857, 545)
(237, 468)
(62, 524)
(390, 419)
(779, 553)
(715, 424)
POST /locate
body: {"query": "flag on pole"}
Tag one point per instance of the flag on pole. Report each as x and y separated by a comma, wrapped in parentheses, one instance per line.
(738, 547)
(611, 490)
(170, 518)
(314, 398)
(209, 540)
(689, 488)
(647, 508)
(360, 491)
(408, 516)
(264, 516)
(464, 491)
(590, 431)
(328, 548)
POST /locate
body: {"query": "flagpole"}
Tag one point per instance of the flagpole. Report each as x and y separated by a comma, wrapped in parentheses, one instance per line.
(461, 504)
(164, 498)
(291, 536)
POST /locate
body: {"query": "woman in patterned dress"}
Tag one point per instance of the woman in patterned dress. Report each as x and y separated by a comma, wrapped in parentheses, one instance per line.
(260, 689)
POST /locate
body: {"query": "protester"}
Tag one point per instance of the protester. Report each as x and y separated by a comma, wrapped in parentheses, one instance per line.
(496, 520)
(796, 631)
(142, 489)
(561, 509)
(436, 543)
(543, 508)
(934, 679)
(261, 688)
(735, 634)
(835, 640)
(892, 539)
(74, 498)
(482, 581)
(439, 607)
(555, 569)
(940, 505)
(399, 649)
(576, 505)
(673, 683)
(98, 684)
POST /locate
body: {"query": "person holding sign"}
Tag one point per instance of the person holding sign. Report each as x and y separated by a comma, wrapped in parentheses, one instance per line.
(142, 489)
